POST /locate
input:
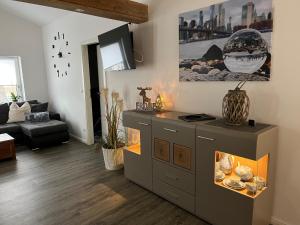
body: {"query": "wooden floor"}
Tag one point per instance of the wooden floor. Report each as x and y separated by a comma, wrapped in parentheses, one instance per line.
(68, 185)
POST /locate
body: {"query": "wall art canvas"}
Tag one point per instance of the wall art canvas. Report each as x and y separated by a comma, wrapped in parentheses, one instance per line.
(229, 41)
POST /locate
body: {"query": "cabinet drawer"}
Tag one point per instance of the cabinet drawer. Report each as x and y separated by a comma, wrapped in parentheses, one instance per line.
(174, 195)
(161, 149)
(176, 177)
(182, 156)
(173, 131)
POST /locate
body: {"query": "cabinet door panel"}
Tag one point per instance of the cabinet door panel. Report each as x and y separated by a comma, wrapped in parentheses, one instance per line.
(183, 156)
(162, 149)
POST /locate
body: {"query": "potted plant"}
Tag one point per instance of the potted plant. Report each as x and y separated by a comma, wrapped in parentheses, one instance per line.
(14, 97)
(113, 143)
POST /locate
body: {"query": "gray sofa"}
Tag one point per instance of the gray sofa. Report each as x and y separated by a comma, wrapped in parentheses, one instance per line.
(36, 134)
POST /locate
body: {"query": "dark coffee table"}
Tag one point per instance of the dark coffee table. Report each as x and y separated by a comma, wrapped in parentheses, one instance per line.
(7, 147)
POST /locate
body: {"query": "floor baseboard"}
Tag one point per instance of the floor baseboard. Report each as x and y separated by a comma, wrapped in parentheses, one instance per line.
(78, 138)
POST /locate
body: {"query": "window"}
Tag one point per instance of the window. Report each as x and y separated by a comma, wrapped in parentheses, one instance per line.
(10, 78)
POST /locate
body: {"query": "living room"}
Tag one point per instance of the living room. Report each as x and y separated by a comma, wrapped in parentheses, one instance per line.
(70, 178)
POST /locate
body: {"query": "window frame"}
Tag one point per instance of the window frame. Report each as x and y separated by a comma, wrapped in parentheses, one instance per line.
(19, 75)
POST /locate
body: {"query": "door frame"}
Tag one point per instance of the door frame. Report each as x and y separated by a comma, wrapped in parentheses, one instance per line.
(86, 90)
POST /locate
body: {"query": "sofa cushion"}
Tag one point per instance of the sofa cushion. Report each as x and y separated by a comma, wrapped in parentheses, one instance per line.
(10, 128)
(43, 107)
(43, 128)
(38, 117)
(17, 113)
(4, 109)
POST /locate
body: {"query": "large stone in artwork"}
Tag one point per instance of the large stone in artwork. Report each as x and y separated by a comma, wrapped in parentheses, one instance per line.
(213, 53)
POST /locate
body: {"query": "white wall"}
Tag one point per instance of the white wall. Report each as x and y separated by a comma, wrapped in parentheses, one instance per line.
(21, 38)
(274, 102)
(66, 95)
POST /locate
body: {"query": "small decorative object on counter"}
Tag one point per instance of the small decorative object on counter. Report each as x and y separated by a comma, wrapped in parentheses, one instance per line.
(261, 182)
(226, 163)
(219, 176)
(147, 105)
(251, 188)
(236, 106)
(143, 93)
(159, 103)
(234, 183)
(244, 172)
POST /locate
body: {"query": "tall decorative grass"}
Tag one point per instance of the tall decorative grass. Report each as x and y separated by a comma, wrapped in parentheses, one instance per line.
(113, 109)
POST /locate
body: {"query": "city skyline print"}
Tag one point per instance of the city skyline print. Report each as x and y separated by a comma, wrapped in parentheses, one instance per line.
(229, 41)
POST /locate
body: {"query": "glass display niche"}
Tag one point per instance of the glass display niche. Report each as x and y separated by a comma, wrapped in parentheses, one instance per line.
(245, 176)
(133, 141)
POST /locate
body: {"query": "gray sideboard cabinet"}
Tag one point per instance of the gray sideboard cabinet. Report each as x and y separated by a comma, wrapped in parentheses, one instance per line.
(251, 147)
(173, 152)
(137, 154)
(178, 161)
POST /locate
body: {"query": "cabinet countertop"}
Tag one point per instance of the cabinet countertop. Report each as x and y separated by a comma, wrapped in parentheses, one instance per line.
(218, 123)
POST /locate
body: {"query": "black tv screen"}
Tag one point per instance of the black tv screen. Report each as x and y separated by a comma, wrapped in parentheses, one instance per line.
(116, 47)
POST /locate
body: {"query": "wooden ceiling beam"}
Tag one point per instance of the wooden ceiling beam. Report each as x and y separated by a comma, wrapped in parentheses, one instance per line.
(123, 10)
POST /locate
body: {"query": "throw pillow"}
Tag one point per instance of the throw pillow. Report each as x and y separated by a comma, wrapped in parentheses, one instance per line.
(43, 107)
(38, 117)
(17, 113)
(4, 109)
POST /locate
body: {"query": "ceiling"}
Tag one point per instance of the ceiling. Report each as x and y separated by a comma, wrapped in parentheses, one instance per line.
(39, 15)
(36, 14)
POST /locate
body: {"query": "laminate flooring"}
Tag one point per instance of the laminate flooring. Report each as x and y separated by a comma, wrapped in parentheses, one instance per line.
(68, 185)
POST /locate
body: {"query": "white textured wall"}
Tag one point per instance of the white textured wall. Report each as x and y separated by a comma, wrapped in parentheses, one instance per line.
(274, 102)
(21, 38)
(66, 95)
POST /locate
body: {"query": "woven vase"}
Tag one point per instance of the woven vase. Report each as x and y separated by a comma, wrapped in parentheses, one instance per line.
(236, 106)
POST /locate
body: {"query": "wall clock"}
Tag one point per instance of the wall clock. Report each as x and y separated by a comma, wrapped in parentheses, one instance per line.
(61, 55)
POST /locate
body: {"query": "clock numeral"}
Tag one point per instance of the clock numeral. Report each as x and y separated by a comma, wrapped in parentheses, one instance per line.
(53, 46)
(54, 65)
(58, 35)
(67, 43)
(66, 73)
(69, 53)
(69, 65)
(55, 38)
(63, 36)
(57, 73)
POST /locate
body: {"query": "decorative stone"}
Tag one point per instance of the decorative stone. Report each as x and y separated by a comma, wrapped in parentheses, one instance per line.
(200, 69)
(214, 72)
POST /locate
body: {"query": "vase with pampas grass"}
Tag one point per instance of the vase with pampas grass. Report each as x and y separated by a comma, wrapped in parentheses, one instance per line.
(112, 143)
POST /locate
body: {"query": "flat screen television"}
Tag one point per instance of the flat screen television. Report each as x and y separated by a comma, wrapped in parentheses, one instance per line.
(116, 47)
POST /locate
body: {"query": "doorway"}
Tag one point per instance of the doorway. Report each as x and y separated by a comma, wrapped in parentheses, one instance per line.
(95, 91)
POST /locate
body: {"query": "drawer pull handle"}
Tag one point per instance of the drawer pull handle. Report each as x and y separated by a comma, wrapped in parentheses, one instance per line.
(144, 124)
(171, 130)
(206, 138)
